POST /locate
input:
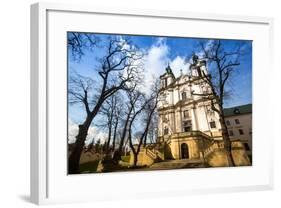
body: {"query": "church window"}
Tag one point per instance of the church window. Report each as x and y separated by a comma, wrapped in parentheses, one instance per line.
(205, 90)
(166, 131)
(186, 114)
(228, 122)
(247, 148)
(241, 132)
(231, 133)
(199, 72)
(183, 95)
(213, 124)
(165, 82)
(187, 126)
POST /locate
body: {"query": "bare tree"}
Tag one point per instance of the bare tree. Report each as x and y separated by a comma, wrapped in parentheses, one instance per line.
(148, 107)
(79, 42)
(108, 110)
(134, 96)
(222, 64)
(111, 110)
(118, 113)
(118, 68)
(152, 130)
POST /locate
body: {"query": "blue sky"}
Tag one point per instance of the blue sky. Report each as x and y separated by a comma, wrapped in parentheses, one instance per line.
(173, 50)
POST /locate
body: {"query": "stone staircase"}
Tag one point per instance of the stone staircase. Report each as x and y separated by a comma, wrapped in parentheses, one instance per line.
(153, 152)
(160, 162)
(212, 153)
(215, 145)
(178, 164)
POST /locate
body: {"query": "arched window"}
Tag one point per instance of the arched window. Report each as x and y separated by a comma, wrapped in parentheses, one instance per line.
(183, 95)
(185, 114)
(184, 151)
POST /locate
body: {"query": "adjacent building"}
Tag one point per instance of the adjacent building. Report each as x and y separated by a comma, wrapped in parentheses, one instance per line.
(239, 124)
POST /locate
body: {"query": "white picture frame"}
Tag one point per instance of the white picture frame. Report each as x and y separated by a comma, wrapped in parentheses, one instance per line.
(49, 182)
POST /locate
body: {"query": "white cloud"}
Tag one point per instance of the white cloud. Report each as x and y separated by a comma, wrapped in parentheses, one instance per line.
(179, 64)
(208, 45)
(72, 131)
(156, 61)
(93, 133)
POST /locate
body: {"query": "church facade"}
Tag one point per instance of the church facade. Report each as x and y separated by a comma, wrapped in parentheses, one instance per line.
(189, 131)
(185, 116)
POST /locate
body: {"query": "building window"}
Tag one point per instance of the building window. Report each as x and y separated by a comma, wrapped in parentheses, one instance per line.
(165, 82)
(250, 131)
(165, 119)
(236, 111)
(187, 126)
(166, 131)
(213, 124)
(237, 121)
(183, 95)
(186, 114)
(231, 133)
(241, 132)
(228, 122)
(246, 145)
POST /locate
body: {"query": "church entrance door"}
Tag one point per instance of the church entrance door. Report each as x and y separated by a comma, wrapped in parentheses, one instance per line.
(184, 151)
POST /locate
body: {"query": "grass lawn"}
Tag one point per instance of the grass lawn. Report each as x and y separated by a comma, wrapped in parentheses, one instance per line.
(89, 167)
(125, 158)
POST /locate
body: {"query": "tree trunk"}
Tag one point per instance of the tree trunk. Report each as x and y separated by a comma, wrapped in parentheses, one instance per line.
(74, 158)
(114, 133)
(225, 135)
(144, 142)
(135, 152)
(122, 139)
(144, 135)
(135, 159)
(226, 139)
(109, 138)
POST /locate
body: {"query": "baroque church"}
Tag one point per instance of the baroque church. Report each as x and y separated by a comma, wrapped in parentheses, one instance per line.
(188, 129)
(185, 116)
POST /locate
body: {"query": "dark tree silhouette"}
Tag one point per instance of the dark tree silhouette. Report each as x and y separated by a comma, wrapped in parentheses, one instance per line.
(111, 110)
(222, 64)
(118, 68)
(147, 107)
(79, 42)
(117, 116)
(134, 96)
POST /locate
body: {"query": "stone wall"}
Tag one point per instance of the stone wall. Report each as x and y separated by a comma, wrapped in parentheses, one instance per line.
(216, 155)
(218, 158)
(143, 158)
(239, 154)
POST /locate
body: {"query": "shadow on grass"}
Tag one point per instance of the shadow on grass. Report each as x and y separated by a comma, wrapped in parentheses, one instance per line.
(109, 166)
(89, 167)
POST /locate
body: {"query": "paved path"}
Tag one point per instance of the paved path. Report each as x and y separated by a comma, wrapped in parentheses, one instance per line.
(175, 164)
